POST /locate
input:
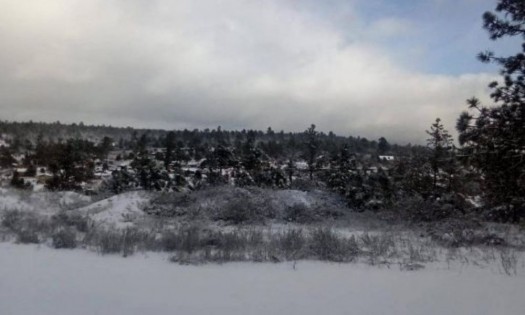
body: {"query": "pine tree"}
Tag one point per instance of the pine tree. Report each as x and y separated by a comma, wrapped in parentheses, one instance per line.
(441, 146)
(339, 173)
(383, 146)
(18, 182)
(6, 158)
(291, 152)
(493, 137)
(169, 145)
(145, 168)
(311, 149)
(104, 147)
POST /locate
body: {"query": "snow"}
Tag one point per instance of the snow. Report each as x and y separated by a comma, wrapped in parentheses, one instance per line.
(119, 210)
(289, 197)
(301, 165)
(39, 280)
(12, 201)
(475, 201)
(42, 202)
(70, 197)
(3, 143)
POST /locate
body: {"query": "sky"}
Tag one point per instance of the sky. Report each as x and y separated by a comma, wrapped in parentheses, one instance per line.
(367, 68)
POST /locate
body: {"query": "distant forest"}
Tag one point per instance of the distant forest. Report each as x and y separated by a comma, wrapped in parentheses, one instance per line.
(273, 143)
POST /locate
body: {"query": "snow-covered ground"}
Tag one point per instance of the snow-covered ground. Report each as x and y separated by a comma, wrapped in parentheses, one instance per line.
(39, 280)
(41, 202)
(119, 211)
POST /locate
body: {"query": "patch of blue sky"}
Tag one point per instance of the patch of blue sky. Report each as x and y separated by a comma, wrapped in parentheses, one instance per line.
(430, 36)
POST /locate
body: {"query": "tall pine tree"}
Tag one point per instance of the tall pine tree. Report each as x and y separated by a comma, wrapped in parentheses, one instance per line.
(493, 137)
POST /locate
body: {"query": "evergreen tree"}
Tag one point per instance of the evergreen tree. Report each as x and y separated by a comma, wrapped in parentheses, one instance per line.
(311, 149)
(6, 158)
(169, 145)
(224, 158)
(18, 182)
(339, 173)
(252, 156)
(291, 152)
(441, 146)
(383, 146)
(104, 147)
(145, 168)
(493, 137)
(180, 154)
(40, 150)
(71, 163)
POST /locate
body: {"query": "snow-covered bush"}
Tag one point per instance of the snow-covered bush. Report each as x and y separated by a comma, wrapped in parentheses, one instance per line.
(27, 236)
(71, 219)
(299, 213)
(64, 238)
(11, 219)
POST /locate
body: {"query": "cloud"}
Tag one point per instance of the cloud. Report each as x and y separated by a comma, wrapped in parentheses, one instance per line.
(390, 27)
(195, 64)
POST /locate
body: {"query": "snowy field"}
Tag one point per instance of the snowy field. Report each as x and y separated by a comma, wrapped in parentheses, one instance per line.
(39, 280)
(477, 276)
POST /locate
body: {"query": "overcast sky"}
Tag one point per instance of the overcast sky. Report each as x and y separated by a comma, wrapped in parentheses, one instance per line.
(356, 67)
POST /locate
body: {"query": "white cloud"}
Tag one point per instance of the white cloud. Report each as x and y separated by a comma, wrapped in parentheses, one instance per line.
(390, 27)
(239, 64)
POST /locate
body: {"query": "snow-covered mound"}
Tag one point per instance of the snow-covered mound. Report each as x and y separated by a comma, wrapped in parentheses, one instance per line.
(119, 210)
(70, 198)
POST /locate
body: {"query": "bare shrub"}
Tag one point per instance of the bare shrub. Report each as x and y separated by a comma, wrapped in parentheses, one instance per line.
(64, 238)
(238, 211)
(124, 242)
(242, 245)
(327, 245)
(26, 226)
(11, 219)
(27, 236)
(170, 241)
(184, 258)
(509, 261)
(417, 209)
(71, 219)
(304, 184)
(186, 238)
(109, 242)
(170, 204)
(458, 233)
(415, 253)
(299, 213)
(189, 239)
(378, 245)
(411, 266)
(291, 244)
(239, 245)
(231, 241)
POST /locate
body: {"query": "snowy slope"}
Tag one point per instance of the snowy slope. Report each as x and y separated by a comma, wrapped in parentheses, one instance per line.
(49, 282)
(117, 210)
